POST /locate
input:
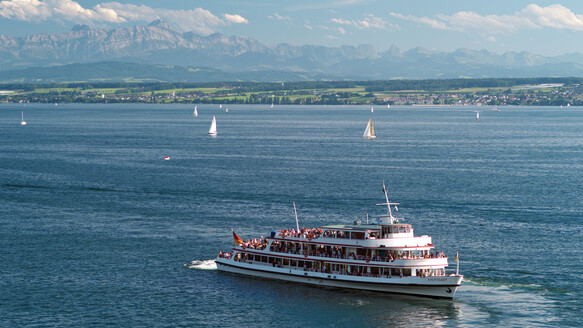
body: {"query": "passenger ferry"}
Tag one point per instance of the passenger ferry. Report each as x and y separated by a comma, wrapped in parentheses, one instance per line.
(384, 256)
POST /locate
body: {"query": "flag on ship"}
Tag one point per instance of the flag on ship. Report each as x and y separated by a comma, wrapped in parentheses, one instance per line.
(238, 240)
(457, 256)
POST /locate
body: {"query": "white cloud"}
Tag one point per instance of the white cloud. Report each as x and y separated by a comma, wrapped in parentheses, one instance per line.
(531, 17)
(554, 16)
(368, 22)
(237, 19)
(434, 23)
(341, 30)
(199, 20)
(279, 17)
(61, 10)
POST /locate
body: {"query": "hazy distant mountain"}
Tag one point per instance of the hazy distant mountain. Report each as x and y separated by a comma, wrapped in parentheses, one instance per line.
(242, 57)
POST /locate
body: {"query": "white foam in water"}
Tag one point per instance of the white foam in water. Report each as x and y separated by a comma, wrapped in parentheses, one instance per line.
(202, 265)
(507, 305)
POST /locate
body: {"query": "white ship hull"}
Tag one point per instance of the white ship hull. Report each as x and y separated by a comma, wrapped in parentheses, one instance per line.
(439, 287)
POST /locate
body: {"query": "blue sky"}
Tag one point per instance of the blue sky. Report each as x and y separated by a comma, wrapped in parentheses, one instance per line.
(541, 27)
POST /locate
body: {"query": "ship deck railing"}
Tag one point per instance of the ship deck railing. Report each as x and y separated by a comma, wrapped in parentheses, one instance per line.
(340, 273)
(354, 256)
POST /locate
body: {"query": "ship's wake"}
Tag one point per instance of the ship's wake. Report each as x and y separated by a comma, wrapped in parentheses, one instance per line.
(202, 265)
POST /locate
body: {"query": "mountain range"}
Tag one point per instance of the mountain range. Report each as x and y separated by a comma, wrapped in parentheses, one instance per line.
(217, 57)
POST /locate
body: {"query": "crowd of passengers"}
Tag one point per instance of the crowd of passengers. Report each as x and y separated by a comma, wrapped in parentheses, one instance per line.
(225, 255)
(255, 243)
(302, 233)
(339, 253)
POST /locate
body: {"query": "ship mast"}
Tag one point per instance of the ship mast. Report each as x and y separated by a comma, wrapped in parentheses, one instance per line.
(296, 212)
(388, 203)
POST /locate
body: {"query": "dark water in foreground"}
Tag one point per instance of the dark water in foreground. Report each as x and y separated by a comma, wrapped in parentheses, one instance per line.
(96, 229)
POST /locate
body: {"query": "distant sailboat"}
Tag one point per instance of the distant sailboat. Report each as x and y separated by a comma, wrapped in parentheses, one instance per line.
(271, 106)
(369, 132)
(388, 105)
(195, 113)
(22, 121)
(213, 128)
(372, 109)
(477, 115)
(227, 110)
(221, 106)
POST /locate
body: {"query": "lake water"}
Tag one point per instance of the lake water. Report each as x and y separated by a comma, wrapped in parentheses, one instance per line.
(96, 229)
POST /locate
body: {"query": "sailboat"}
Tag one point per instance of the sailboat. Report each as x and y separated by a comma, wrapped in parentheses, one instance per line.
(477, 115)
(369, 132)
(271, 106)
(388, 105)
(372, 109)
(22, 121)
(195, 113)
(213, 128)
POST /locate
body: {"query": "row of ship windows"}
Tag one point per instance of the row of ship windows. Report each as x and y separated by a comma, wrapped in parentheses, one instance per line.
(342, 269)
(366, 235)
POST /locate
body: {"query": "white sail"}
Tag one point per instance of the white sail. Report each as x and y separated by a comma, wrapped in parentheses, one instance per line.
(195, 111)
(22, 121)
(369, 131)
(213, 128)
(372, 109)
(271, 105)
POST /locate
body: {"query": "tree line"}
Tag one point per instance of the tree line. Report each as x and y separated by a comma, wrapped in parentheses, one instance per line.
(370, 86)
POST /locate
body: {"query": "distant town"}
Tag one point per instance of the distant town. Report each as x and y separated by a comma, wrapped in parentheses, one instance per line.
(456, 92)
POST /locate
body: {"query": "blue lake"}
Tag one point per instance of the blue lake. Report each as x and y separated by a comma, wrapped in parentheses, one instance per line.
(97, 229)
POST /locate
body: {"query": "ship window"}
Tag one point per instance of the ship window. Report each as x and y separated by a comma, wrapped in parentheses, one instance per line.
(357, 235)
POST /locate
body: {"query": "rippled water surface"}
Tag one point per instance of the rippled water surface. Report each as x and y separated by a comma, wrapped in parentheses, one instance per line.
(96, 229)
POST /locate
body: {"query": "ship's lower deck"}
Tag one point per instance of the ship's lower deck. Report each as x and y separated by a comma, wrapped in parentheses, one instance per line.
(438, 286)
